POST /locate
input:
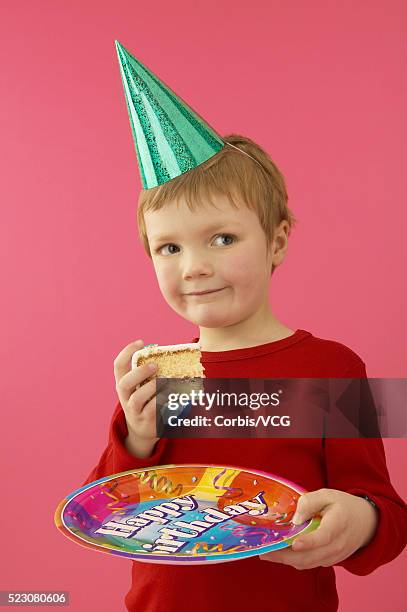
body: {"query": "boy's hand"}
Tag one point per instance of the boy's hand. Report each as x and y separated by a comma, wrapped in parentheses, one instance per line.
(138, 403)
(348, 522)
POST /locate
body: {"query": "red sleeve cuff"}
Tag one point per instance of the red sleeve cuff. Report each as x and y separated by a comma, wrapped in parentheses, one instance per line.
(122, 459)
(387, 542)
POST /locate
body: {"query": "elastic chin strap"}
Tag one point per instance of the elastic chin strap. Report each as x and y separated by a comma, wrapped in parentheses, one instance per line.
(244, 153)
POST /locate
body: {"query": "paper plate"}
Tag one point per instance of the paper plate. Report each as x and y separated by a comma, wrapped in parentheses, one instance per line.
(184, 514)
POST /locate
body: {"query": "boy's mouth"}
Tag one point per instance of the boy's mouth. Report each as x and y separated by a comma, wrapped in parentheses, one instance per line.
(205, 292)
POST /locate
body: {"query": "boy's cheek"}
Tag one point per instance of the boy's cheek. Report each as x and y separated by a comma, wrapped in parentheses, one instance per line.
(166, 280)
(245, 275)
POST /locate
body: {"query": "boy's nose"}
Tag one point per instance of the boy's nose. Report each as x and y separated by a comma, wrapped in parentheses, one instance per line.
(197, 267)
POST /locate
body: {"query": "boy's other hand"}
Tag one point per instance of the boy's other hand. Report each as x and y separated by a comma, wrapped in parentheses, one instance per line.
(348, 522)
(138, 402)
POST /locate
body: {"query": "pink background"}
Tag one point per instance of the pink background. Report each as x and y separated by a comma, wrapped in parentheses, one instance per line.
(320, 85)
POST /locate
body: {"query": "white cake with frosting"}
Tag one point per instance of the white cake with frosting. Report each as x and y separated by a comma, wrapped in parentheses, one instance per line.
(173, 361)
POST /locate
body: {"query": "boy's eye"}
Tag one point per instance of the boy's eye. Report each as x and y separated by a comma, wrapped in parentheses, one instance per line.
(160, 250)
(227, 236)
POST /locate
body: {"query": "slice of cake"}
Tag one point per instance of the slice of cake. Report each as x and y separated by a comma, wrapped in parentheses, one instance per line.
(173, 361)
(178, 361)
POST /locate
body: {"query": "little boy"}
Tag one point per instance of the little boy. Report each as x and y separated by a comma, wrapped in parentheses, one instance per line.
(215, 233)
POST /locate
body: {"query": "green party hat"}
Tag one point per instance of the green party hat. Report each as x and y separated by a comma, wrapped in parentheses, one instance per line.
(170, 137)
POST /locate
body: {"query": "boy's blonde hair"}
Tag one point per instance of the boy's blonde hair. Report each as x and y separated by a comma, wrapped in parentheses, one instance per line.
(260, 186)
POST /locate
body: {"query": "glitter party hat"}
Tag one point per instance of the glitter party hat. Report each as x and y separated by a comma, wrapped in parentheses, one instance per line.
(170, 137)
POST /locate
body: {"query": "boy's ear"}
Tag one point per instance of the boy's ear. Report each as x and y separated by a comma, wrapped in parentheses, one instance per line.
(280, 243)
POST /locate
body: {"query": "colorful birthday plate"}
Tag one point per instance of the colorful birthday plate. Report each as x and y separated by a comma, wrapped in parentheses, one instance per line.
(184, 514)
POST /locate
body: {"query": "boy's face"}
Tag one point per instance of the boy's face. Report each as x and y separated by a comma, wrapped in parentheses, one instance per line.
(220, 249)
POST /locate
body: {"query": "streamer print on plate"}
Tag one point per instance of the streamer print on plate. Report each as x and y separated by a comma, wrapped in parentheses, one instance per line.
(184, 514)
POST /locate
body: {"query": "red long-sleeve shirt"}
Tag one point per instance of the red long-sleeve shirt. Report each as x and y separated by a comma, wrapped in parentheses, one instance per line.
(357, 466)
